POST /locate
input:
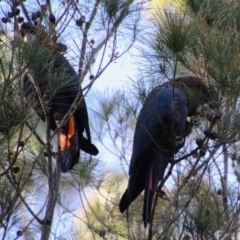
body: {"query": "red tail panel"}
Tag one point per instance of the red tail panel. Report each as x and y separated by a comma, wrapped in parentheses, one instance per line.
(71, 127)
(64, 140)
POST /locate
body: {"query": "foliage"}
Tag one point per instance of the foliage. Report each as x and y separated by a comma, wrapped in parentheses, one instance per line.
(199, 197)
(201, 189)
(33, 194)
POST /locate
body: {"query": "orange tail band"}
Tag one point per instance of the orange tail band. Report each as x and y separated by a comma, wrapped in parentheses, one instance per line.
(64, 140)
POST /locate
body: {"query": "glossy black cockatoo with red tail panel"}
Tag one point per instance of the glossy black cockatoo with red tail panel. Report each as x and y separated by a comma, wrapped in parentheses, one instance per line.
(71, 137)
(160, 132)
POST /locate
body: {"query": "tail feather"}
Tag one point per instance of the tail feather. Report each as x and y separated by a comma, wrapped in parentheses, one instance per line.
(147, 206)
(75, 160)
(68, 145)
(87, 146)
(135, 187)
(66, 160)
(154, 176)
(123, 205)
(146, 176)
(150, 188)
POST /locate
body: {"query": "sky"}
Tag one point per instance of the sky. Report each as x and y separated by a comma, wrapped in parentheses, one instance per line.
(114, 77)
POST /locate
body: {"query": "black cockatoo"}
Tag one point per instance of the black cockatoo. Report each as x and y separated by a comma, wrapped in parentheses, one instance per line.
(70, 135)
(159, 134)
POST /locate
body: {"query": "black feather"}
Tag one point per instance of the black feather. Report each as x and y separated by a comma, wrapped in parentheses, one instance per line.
(60, 102)
(160, 132)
